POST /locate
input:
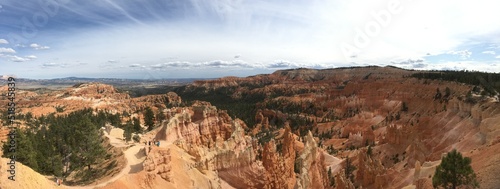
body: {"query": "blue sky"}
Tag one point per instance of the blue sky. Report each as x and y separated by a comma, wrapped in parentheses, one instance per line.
(149, 39)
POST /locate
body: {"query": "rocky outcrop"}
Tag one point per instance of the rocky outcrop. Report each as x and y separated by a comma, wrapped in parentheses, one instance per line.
(312, 170)
(159, 101)
(157, 163)
(398, 134)
(341, 182)
(173, 99)
(369, 170)
(95, 91)
(280, 167)
(202, 125)
(217, 143)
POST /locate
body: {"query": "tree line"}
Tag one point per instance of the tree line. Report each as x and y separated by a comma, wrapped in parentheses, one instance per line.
(490, 82)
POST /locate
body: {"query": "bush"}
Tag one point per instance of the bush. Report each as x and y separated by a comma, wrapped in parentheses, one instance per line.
(136, 138)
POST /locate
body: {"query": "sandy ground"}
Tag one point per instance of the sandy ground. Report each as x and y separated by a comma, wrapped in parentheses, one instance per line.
(333, 162)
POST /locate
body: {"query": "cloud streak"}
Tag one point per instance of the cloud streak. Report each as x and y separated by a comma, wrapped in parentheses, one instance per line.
(39, 47)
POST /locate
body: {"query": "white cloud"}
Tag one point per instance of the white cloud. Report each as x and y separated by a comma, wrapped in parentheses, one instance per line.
(22, 59)
(39, 47)
(7, 50)
(464, 54)
(31, 57)
(497, 56)
(282, 64)
(3, 41)
(489, 52)
(50, 64)
(55, 65)
(18, 59)
(136, 66)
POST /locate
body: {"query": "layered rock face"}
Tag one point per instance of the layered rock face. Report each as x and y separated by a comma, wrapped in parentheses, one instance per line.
(403, 118)
(218, 143)
(280, 168)
(312, 172)
(157, 163)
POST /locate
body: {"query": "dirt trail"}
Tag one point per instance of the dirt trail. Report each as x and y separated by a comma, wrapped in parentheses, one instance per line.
(134, 163)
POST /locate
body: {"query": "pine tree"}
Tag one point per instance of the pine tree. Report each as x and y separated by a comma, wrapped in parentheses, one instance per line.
(454, 171)
(149, 117)
(25, 151)
(331, 178)
(127, 133)
(88, 149)
(160, 116)
(137, 125)
(349, 169)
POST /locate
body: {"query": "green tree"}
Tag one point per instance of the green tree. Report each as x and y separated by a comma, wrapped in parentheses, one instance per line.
(454, 171)
(369, 151)
(149, 117)
(137, 125)
(88, 149)
(24, 152)
(127, 132)
(160, 116)
(447, 93)
(438, 94)
(349, 169)
(404, 107)
(331, 178)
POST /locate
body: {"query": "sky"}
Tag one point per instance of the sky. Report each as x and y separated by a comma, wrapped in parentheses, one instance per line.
(154, 39)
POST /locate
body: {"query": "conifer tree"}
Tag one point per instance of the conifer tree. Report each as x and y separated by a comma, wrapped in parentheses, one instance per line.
(88, 149)
(137, 125)
(454, 171)
(127, 132)
(149, 117)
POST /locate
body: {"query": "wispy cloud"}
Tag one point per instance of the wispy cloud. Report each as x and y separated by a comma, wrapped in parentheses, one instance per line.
(54, 65)
(3, 41)
(22, 59)
(221, 64)
(38, 47)
(464, 54)
(489, 52)
(136, 66)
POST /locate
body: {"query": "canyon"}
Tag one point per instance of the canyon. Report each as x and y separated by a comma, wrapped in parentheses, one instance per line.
(300, 128)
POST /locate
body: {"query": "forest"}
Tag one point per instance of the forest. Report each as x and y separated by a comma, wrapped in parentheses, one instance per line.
(64, 144)
(490, 82)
